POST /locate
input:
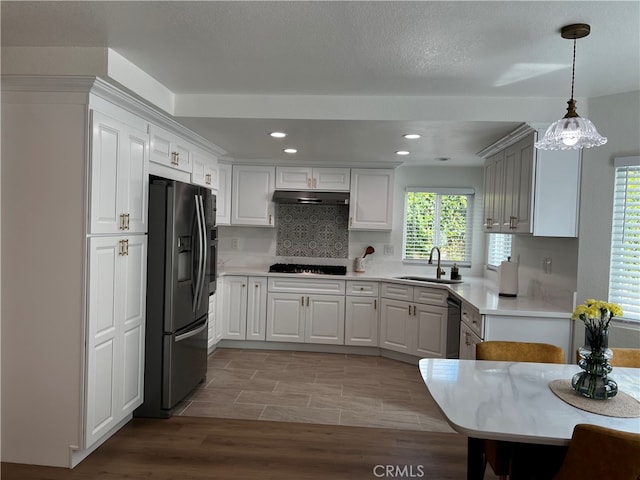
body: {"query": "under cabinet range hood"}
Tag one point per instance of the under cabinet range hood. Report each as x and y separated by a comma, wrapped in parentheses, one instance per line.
(307, 197)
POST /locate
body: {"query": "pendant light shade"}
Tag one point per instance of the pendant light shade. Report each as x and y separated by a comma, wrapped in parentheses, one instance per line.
(572, 131)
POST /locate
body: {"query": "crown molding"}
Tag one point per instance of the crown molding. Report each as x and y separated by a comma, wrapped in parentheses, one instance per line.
(509, 139)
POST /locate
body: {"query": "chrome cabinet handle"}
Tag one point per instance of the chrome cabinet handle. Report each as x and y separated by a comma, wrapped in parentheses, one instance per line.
(315, 183)
(308, 183)
(513, 222)
(409, 309)
(302, 301)
(489, 223)
(414, 310)
(124, 247)
(175, 158)
(307, 301)
(375, 304)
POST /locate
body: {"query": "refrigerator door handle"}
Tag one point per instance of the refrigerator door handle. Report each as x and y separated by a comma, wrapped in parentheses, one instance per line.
(196, 293)
(204, 250)
(192, 333)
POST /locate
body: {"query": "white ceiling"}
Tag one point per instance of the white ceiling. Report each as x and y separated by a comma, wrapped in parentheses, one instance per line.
(346, 79)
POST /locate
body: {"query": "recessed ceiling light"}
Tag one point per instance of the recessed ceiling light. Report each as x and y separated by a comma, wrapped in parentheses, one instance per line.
(290, 150)
(442, 159)
(278, 134)
(402, 152)
(411, 136)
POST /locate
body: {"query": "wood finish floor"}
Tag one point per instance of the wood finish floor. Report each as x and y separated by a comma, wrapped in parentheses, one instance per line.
(192, 448)
(284, 415)
(307, 387)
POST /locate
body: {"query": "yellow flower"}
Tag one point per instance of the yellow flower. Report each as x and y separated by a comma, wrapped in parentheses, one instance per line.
(596, 310)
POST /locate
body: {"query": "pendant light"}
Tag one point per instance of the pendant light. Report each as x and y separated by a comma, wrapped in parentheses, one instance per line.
(572, 131)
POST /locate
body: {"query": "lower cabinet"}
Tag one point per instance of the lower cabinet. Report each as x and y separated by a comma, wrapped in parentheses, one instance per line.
(468, 341)
(412, 327)
(305, 318)
(115, 349)
(361, 321)
(244, 310)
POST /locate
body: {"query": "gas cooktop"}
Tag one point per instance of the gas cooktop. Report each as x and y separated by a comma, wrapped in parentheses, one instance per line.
(301, 268)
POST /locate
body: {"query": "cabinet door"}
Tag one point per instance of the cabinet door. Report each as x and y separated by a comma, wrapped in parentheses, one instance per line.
(211, 333)
(371, 203)
(518, 179)
(256, 308)
(170, 150)
(285, 317)
(223, 197)
(235, 308)
(493, 185)
(294, 178)
(115, 332)
(252, 192)
(468, 342)
(119, 177)
(324, 319)
(204, 170)
(361, 321)
(398, 328)
(334, 179)
(432, 331)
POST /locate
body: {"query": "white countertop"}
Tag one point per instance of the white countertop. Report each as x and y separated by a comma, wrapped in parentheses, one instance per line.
(512, 401)
(479, 292)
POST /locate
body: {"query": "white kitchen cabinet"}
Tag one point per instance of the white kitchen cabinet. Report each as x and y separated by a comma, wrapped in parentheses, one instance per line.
(256, 308)
(371, 202)
(532, 191)
(115, 336)
(309, 178)
(361, 313)
(251, 194)
(204, 170)
(244, 310)
(119, 172)
(305, 310)
(468, 341)
(223, 196)
(413, 320)
(214, 332)
(169, 149)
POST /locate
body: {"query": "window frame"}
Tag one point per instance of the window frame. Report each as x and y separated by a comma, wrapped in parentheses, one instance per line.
(621, 199)
(491, 236)
(470, 193)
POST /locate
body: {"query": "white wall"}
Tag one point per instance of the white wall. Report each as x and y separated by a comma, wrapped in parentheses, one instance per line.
(257, 246)
(617, 117)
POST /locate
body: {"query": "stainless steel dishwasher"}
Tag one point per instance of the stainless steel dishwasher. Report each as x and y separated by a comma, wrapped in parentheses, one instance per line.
(454, 312)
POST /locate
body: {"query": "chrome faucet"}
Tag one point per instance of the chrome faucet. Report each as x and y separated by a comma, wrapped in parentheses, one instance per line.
(439, 271)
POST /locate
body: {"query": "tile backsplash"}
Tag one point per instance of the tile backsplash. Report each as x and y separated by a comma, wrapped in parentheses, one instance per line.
(312, 231)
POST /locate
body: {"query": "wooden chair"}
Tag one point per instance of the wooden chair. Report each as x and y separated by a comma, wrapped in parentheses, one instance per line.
(497, 453)
(622, 357)
(598, 452)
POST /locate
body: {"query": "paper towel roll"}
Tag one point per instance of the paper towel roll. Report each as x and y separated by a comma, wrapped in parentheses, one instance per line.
(508, 278)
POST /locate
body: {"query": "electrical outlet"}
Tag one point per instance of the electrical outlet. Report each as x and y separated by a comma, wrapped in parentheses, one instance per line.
(234, 244)
(388, 249)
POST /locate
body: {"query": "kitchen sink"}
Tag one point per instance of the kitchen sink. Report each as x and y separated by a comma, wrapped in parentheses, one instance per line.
(429, 279)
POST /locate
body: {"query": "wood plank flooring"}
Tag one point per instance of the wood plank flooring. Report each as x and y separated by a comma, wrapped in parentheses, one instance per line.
(192, 448)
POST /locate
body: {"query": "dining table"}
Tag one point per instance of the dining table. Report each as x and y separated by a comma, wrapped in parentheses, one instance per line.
(513, 402)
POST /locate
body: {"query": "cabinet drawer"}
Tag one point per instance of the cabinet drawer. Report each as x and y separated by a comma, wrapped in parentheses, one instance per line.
(306, 286)
(355, 287)
(397, 291)
(471, 316)
(432, 296)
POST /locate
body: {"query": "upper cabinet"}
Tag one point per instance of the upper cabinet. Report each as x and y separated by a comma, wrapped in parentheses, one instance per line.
(308, 178)
(169, 149)
(204, 170)
(251, 193)
(371, 202)
(532, 191)
(119, 177)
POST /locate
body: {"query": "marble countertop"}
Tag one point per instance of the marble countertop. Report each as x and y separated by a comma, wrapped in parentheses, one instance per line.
(512, 401)
(479, 292)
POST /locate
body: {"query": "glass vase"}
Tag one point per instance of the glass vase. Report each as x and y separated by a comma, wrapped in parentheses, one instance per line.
(594, 382)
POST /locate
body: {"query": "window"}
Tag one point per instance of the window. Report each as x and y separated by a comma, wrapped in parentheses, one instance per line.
(438, 217)
(624, 277)
(499, 248)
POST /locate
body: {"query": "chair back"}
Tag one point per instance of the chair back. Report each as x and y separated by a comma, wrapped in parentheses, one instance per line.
(625, 357)
(599, 452)
(503, 351)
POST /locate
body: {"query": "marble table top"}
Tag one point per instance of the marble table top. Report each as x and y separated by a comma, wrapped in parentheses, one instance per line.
(512, 401)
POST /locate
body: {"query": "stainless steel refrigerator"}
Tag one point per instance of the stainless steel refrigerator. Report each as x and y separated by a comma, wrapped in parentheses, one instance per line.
(181, 219)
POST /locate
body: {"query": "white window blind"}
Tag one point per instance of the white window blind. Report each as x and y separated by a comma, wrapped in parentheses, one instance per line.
(499, 248)
(624, 278)
(438, 217)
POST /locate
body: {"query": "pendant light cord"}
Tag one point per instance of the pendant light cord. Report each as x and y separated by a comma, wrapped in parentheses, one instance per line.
(573, 70)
